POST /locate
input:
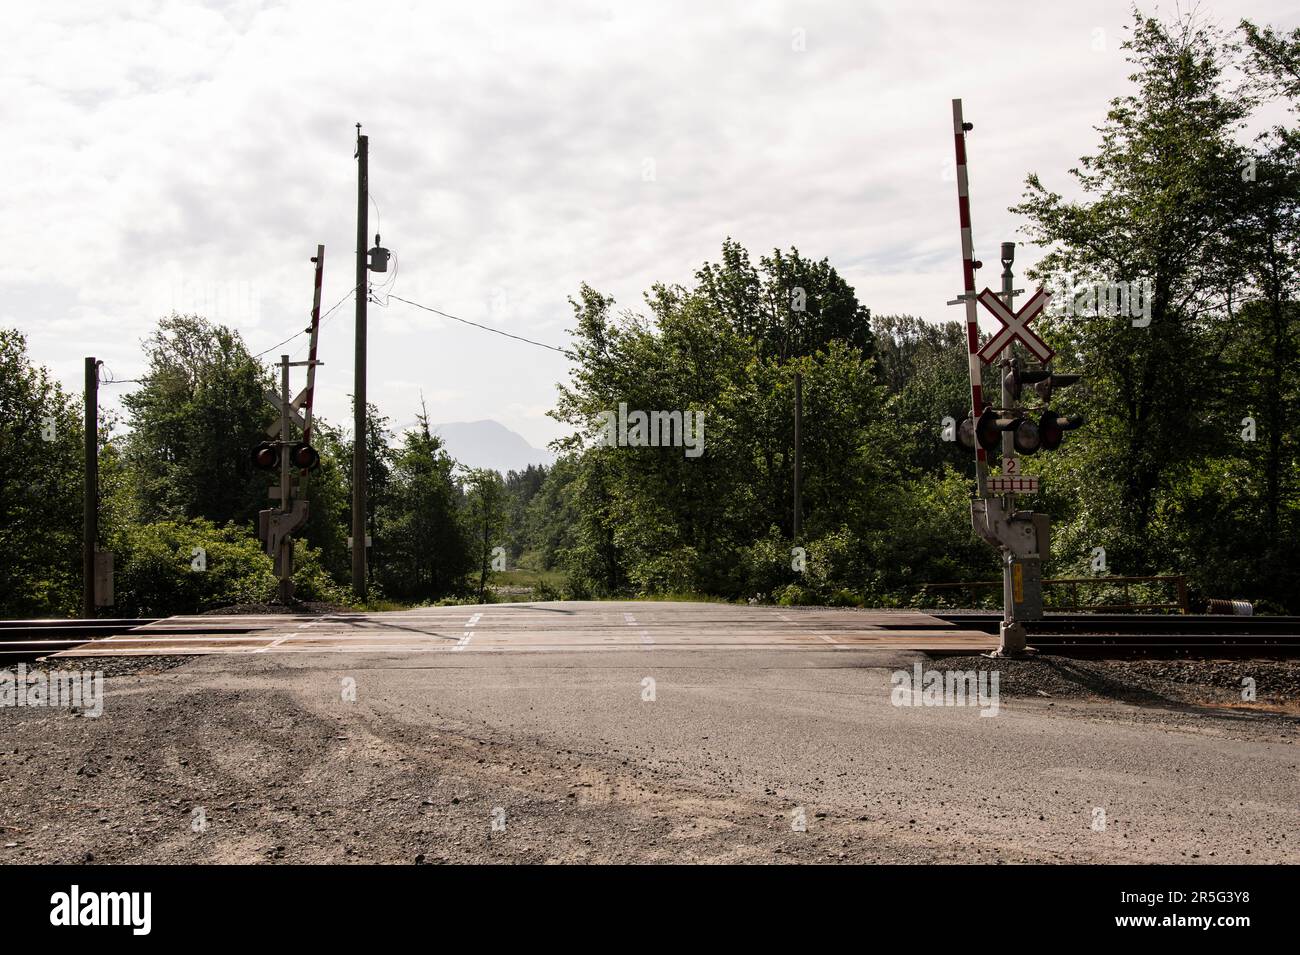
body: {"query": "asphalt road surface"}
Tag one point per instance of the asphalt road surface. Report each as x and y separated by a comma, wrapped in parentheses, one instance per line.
(646, 732)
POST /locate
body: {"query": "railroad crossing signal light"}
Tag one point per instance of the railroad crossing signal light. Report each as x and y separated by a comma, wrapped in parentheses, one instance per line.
(1045, 386)
(266, 456)
(1044, 380)
(1026, 437)
(989, 427)
(1052, 428)
(1016, 378)
(304, 456)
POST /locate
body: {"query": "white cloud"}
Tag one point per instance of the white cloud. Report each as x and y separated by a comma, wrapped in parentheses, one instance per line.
(164, 155)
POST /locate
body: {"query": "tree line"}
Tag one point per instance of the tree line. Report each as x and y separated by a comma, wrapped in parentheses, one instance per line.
(1187, 463)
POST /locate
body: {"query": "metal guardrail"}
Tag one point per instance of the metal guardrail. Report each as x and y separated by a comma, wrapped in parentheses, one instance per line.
(1179, 581)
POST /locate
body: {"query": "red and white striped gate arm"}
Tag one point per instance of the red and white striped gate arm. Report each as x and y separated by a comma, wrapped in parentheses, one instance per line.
(311, 351)
(968, 276)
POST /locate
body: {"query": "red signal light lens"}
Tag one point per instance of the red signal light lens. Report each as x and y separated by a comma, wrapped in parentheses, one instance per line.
(305, 457)
(265, 456)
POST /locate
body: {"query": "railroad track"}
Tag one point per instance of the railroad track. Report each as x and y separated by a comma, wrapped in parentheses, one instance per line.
(1082, 634)
(29, 638)
(1070, 634)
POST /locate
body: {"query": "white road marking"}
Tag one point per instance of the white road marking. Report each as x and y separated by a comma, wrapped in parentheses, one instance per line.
(464, 642)
(473, 620)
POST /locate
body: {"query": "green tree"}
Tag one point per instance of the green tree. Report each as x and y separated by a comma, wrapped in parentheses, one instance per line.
(521, 487)
(485, 520)
(379, 468)
(329, 492)
(924, 369)
(552, 515)
(41, 461)
(659, 519)
(1157, 195)
(788, 304)
(1266, 239)
(194, 422)
(426, 552)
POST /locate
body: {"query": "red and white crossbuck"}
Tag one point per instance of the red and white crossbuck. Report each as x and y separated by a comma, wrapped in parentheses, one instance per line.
(1015, 325)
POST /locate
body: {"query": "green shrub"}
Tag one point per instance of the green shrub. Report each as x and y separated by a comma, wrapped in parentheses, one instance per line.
(311, 581)
(793, 595)
(155, 568)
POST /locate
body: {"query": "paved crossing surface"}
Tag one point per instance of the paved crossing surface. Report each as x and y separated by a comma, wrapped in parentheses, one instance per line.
(550, 626)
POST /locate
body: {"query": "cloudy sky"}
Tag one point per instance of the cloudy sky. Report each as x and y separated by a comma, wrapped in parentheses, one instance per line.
(176, 156)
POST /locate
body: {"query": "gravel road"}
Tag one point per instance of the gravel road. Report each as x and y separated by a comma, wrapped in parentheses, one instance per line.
(653, 756)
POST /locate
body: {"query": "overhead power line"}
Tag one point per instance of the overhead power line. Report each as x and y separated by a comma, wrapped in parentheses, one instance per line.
(307, 329)
(486, 328)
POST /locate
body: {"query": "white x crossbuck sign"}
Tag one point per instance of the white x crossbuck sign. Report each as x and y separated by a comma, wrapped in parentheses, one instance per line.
(1015, 325)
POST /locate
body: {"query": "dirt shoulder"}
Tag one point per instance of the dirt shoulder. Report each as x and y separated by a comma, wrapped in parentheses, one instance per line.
(1246, 685)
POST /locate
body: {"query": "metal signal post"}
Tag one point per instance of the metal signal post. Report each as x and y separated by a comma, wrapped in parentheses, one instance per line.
(276, 525)
(1022, 537)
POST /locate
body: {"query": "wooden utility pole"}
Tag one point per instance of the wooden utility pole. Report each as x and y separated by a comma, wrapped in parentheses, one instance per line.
(284, 555)
(90, 501)
(798, 456)
(362, 292)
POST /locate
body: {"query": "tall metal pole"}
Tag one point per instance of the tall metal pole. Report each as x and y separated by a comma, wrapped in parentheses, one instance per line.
(90, 502)
(309, 400)
(1009, 564)
(1022, 584)
(798, 457)
(359, 388)
(968, 266)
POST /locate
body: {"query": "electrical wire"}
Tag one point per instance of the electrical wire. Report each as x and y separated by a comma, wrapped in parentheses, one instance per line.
(111, 380)
(486, 328)
(308, 328)
(385, 286)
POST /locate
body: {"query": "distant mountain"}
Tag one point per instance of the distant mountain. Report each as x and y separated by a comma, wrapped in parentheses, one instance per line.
(490, 444)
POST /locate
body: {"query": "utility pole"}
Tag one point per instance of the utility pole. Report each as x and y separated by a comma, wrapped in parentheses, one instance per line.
(362, 292)
(798, 458)
(90, 503)
(284, 555)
